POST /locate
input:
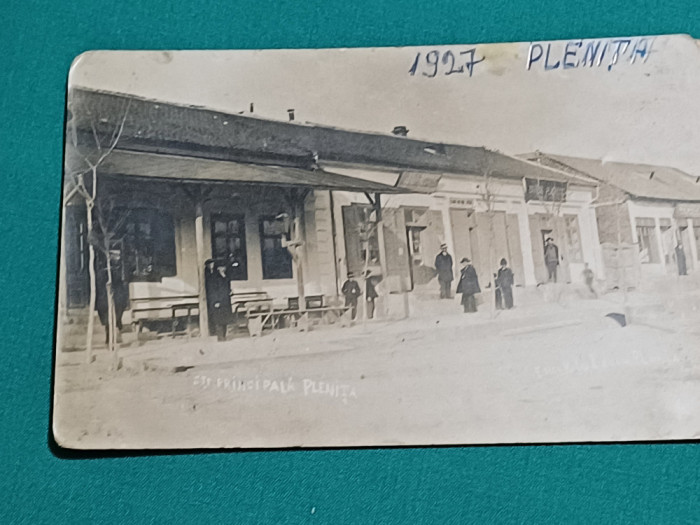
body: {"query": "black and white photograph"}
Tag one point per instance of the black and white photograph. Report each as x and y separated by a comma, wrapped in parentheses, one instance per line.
(409, 246)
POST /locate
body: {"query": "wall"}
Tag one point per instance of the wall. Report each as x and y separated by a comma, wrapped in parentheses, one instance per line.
(659, 212)
(612, 215)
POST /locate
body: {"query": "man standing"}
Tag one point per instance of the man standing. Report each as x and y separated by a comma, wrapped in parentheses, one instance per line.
(370, 293)
(445, 274)
(551, 259)
(218, 288)
(504, 282)
(468, 286)
(680, 260)
(351, 290)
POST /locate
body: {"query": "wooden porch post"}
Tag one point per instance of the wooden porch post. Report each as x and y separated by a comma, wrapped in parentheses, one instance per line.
(299, 240)
(201, 258)
(380, 234)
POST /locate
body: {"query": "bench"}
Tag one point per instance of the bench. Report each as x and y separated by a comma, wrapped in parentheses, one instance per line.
(300, 319)
(174, 310)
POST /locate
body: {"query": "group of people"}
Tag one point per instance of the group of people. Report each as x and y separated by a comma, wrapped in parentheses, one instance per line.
(352, 292)
(468, 284)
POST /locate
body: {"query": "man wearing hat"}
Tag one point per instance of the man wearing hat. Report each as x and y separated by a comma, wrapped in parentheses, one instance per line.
(445, 273)
(218, 289)
(351, 291)
(371, 294)
(551, 259)
(468, 285)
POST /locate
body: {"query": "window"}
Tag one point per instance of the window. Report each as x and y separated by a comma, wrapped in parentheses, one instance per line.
(147, 245)
(573, 238)
(696, 231)
(414, 244)
(276, 259)
(646, 238)
(369, 239)
(545, 190)
(228, 243)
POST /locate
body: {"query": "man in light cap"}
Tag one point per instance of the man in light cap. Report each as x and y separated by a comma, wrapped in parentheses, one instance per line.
(445, 273)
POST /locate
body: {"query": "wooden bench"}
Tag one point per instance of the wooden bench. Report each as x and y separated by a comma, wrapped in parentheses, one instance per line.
(174, 310)
(301, 319)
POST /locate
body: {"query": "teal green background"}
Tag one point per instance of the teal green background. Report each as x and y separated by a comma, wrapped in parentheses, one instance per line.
(641, 483)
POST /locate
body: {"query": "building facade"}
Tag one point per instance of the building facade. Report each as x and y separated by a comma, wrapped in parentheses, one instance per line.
(654, 208)
(181, 185)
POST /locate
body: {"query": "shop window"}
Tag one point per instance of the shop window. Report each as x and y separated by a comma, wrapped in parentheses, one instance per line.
(361, 237)
(647, 241)
(228, 243)
(146, 242)
(276, 259)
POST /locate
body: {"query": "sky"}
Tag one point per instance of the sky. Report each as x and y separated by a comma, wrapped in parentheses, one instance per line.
(642, 109)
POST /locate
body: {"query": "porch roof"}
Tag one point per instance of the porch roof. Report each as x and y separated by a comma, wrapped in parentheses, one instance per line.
(193, 169)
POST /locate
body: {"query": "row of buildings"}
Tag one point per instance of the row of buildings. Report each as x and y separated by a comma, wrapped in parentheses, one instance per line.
(295, 207)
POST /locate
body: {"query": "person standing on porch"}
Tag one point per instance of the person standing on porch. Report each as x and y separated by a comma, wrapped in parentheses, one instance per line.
(504, 283)
(445, 273)
(218, 290)
(468, 286)
(351, 291)
(551, 259)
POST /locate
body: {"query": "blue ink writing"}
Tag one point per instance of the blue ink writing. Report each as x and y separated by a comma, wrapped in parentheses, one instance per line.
(434, 63)
(578, 53)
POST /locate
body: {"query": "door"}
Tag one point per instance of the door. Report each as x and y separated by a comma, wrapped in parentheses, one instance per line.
(541, 227)
(76, 257)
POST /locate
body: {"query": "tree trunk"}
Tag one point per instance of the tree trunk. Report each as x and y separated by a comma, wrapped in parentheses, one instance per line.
(492, 281)
(93, 288)
(624, 265)
(299, 242)
(111, 317)
(365, 267)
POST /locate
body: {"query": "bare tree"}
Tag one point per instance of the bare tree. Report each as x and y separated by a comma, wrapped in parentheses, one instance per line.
(89, 159)
(488, 195)
(110, 220)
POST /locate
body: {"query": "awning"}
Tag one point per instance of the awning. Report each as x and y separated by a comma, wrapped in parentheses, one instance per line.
(193, 169)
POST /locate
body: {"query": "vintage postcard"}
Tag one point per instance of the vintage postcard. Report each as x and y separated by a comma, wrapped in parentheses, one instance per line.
(435, 245)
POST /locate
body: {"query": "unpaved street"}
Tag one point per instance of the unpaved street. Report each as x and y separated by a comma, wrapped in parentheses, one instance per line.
(449, 379)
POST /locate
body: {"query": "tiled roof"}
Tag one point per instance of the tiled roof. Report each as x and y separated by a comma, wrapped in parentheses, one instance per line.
(644, 181)
(162, 127)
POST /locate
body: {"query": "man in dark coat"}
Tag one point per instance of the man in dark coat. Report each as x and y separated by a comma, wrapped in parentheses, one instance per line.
(680, 260)
(551, 259)
(351, 291)
(445, 274)
(468, 286)
(370, 293)
(504, 286)
(218, 289)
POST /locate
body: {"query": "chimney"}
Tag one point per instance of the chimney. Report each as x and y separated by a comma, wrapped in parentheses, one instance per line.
(290, 112)
(400, 131)
(252, 107)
